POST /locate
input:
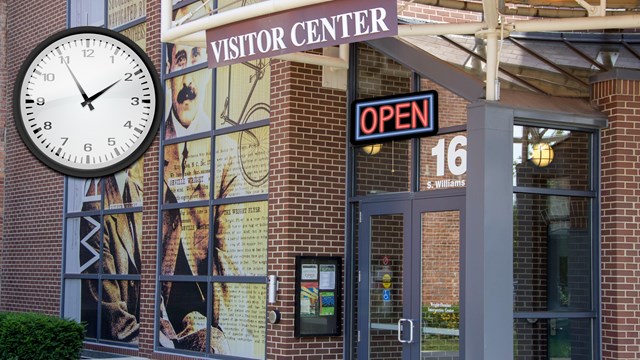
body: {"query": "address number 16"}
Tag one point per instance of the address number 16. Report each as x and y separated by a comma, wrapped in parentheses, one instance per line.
(456, 156)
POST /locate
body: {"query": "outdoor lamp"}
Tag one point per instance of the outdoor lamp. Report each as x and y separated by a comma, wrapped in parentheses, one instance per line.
(372, 149)
(542, 154)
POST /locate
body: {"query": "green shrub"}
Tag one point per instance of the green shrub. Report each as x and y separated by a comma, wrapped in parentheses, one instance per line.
(28, 336)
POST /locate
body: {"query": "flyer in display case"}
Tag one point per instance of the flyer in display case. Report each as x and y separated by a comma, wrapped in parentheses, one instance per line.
(318, 295)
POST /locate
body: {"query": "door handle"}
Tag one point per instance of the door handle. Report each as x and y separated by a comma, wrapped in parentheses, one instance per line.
(410, 331)
(400, 330)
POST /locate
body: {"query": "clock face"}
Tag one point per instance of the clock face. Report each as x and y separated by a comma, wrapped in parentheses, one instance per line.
(87, 102)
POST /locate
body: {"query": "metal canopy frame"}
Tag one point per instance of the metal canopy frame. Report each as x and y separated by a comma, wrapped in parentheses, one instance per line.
(496, 25)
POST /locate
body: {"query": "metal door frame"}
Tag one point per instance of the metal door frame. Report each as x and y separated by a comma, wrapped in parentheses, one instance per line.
(410, 206)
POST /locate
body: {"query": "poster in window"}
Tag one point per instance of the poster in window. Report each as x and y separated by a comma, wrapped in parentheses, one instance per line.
(188, 104)
(186, 171)
(309, 305)
(244, 157)
(83, 194)
(241, 239)
(183, 56)
(240, 313)
(124, 189)
(122, 12)
(122, 244)
(138, 34)
(243, 93)
(82, 245)
(185, 241)
(120, 311)
(183, 318)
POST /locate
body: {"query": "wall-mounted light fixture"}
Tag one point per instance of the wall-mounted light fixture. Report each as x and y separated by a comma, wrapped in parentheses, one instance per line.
(542, 154)
(273, 289)
(371, 149)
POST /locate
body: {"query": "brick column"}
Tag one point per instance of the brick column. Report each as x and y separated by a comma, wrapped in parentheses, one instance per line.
(306, 194)
(617, 94)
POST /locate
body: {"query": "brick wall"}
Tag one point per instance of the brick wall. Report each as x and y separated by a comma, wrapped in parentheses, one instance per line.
(306, 193)
(31, 248)
(620, 215)
(3, 115)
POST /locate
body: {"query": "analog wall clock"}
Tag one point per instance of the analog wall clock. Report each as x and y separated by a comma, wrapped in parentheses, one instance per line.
(87, 102)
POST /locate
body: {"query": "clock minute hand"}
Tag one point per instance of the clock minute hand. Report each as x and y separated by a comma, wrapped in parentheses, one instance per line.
(84, 95)
(98, 94)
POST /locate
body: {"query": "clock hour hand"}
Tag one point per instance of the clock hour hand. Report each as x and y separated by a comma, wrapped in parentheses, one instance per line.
(96, 95)
(84, 95)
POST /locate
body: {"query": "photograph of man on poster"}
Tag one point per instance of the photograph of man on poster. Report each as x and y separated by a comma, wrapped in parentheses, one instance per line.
(121, 255)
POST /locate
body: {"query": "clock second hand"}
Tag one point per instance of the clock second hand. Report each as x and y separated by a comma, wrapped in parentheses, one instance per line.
(84, 95)
(96, 95)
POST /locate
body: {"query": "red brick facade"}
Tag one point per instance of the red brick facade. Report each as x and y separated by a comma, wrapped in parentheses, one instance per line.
(306, 193)
(308, 171)
(620, 215)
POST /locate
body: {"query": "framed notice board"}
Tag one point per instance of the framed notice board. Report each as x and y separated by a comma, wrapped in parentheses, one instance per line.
(318, 296)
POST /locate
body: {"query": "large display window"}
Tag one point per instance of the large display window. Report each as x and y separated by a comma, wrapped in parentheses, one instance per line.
(103, 236)
(213, 228)
(103, 216)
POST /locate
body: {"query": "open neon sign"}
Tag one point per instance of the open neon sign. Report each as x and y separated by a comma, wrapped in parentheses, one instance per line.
(394, 117)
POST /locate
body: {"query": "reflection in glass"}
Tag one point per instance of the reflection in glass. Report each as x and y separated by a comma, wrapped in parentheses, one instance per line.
(440, 284)
(185, 241)
(387, 290)
(242, 161)
(243, 93)
(186, 171)
(124, 189)
(83, 245)
(183, 317)
(86, 13)
(89, 308)
(443, 162)
(379, 75)
(570, 167)
(241, 239)
(555, 231)
(188, 104)
(559, 338)
(239, 312)
(387, 171)
(83, 194)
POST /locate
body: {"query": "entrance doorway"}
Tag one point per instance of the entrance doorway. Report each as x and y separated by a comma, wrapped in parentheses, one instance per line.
(409, 278)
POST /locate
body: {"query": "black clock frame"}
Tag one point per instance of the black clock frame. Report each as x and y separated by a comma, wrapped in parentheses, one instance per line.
(67, 170)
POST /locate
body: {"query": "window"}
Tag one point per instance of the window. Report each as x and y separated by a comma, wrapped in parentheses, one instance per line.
(103, 233)
(103, 217)
(555, 244)
(214, 214)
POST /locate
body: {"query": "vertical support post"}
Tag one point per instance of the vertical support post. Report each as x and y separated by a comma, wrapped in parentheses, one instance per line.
(488, 248)
(492, 66)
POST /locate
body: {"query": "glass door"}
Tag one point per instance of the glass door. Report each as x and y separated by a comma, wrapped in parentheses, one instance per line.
(437, 233)
(409, 279)
(383, 302)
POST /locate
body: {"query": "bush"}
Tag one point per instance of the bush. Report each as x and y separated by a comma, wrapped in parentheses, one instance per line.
(28, 336)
